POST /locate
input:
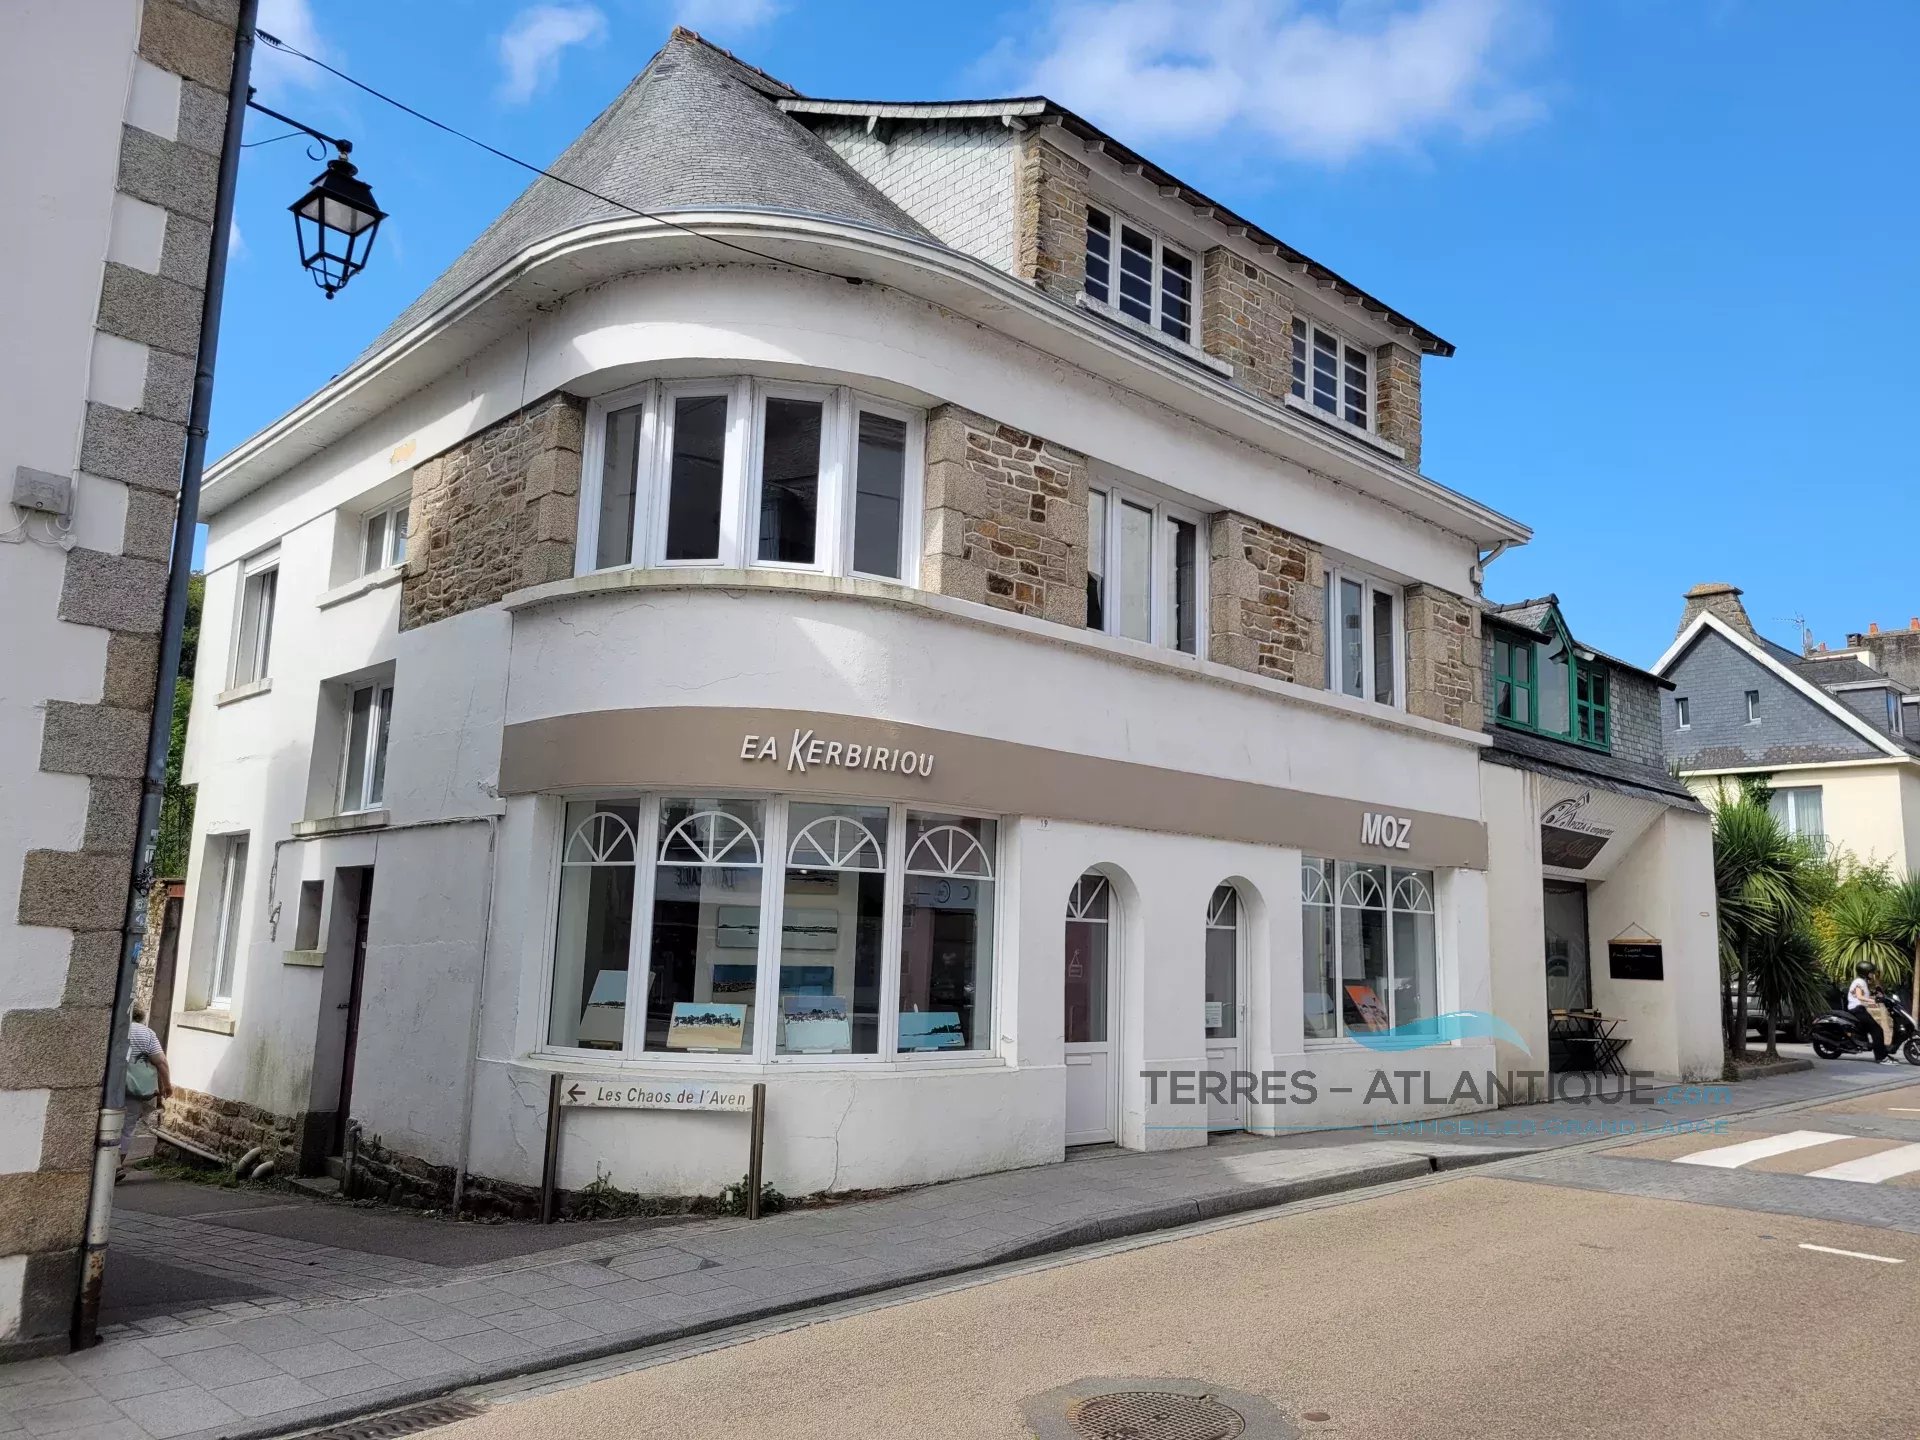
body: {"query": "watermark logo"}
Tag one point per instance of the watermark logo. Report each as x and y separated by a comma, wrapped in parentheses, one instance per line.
(1441, 1030)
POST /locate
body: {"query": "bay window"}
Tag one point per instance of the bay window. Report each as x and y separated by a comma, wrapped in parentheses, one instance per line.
(1145, 575)
(1369, 948)
(766, 928)
(1541, 683)
(740, 472)
(1363, 637)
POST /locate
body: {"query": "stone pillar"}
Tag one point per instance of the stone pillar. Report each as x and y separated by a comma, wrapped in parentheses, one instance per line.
(1396, 399)
(1006, 518)
(1246, 317)
(495, 513)
(1050, 218)
(1443, 657)
(1266, 608)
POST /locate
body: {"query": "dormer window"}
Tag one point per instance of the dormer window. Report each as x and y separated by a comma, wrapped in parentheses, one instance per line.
(1331, 373)
(1540, 683)
(1134, 271)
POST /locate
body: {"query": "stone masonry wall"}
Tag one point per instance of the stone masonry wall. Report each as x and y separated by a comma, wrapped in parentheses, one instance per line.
(1246, 319)
(230, 1128)
(131, 447)
(1396, 398)
(1006, 521)
(1050, 218)
(495, 513)
(1267, 603)
(1443, 657)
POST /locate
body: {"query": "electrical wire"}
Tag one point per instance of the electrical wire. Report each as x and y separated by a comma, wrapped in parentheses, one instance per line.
(249, 144)
(277, 43)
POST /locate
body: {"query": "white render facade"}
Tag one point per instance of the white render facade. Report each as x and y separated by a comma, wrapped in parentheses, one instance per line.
(913, 694)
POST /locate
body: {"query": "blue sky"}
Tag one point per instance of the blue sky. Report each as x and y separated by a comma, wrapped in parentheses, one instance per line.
(1672, 239)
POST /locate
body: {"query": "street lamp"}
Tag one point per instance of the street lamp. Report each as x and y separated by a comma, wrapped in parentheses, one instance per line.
(335, 223)
(336, 220)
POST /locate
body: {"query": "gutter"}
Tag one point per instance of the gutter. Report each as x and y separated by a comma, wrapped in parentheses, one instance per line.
(113, 1089)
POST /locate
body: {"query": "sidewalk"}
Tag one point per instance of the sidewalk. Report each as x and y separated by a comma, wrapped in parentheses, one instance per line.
(328, 1331)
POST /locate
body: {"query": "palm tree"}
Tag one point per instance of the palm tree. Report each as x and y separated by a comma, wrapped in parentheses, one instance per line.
(1875, 919)
(1765, 881)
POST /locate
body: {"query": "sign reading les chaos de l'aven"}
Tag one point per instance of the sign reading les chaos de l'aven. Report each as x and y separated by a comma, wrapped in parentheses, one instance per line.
(601, 1092)
(805, 749)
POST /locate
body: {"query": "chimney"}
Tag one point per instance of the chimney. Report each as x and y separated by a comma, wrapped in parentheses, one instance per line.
(1914, 623)
(1720, 600)
(1873, 627)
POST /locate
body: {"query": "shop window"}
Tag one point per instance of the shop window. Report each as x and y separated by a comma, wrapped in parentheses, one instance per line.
(1331, 373)
(1363, 637)
(1369, 948)
(1152, 281)
(253, 627)
(797, 964)
(363, 768)
(1145, 569)
(743, 472)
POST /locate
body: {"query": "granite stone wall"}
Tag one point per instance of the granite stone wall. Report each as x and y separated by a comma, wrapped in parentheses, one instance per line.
(1267, 601)
(1443, 657)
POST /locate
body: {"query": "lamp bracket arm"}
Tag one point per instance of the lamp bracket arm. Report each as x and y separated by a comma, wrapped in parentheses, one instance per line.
(345, 147)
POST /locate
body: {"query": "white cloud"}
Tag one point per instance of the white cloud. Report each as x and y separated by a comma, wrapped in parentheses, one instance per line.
(531, 48)
(719, 15)
(1324, 83)
(236, 242)
(291, 21)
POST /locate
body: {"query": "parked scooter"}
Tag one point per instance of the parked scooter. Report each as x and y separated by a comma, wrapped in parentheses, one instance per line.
(1834, 1034)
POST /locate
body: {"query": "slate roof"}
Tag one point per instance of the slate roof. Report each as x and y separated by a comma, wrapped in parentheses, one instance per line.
(696, 130)
(1843, 670)
(1525, 751)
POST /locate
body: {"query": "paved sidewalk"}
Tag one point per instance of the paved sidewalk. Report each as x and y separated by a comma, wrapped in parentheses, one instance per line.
(332, 1332)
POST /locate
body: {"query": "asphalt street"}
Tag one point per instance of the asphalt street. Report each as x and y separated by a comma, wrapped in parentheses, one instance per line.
(1678, 1287)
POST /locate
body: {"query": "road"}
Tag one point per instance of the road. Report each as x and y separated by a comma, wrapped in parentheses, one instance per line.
(1643, 1290)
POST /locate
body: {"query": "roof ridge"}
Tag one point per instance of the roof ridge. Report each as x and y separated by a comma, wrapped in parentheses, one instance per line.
(754, 75)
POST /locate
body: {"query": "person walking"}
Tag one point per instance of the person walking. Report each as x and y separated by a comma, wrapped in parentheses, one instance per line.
(149, 1081)
(1859, 997)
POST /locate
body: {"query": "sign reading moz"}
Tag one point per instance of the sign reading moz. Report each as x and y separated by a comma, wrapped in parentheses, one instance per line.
(1391, 832)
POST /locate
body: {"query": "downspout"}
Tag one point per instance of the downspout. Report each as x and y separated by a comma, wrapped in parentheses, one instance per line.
(473, 1034)
(113, 1090)
(1478, 572)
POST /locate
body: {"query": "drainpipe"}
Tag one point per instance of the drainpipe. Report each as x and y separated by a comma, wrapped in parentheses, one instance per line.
(113, 1090)
(1478, 572)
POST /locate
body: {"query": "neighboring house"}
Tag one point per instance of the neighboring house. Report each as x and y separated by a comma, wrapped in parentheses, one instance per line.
(1601, 863)
(1835, 733)
(949, 624)
(118, 110)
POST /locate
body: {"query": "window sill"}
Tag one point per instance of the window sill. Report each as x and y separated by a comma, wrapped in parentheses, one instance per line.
(1157, 337)
(341, 824)
(247, 691)
(313, 959)
(1314, 412)
(353, 589)
(214, 1022)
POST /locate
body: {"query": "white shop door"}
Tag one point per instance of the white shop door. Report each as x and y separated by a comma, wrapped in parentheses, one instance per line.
(1091, 1061)
(1225, 1009)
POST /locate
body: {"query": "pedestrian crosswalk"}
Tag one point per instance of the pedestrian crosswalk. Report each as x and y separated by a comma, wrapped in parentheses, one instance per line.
(1816, 1154)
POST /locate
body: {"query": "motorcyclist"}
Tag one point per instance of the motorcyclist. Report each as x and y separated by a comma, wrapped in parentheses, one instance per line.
(1859, 996)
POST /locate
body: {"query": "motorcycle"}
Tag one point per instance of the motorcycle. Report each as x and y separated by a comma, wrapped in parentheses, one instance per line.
(1834, 1034)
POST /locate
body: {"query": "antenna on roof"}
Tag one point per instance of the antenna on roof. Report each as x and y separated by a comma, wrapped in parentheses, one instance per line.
(1800, 624)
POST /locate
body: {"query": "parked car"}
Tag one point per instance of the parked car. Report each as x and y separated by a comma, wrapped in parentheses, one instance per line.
(1788, 1027)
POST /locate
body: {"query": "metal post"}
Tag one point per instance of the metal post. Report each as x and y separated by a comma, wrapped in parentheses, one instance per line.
(113, 1089)
(755, 1146)
(550, 1166)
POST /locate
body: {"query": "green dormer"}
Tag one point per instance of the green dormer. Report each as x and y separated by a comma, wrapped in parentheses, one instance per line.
(1543, 680)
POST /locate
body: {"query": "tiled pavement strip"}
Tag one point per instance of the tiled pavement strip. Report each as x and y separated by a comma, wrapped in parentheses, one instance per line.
(341, 1333)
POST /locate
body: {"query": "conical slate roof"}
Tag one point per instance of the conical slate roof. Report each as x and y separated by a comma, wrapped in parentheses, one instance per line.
(696, 130)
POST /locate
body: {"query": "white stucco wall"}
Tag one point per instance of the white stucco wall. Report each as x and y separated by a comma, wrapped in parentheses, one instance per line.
(1516, 911)
(1871, 811)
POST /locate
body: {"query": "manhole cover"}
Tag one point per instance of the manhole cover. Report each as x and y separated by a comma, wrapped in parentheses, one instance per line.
(1154, 1415)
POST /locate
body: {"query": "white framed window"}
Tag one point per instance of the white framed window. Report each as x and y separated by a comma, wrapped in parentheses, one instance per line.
(1800, 812)
(227, 934)
(1682, 714)
(253, 619)
(1365, 638)
(796, 930)
(1753, 707)
(1132, 270)
(383, 537)
(742, 472)
(1146, 569)
(1332, 373)
(1894, 721)
(363, 766)
(1369, 948)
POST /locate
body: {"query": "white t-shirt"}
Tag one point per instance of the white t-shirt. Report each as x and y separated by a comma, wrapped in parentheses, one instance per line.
(1858, 995)
(142, 1041)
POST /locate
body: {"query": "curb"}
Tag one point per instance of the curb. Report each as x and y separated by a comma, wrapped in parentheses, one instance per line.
(1067, 1237)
